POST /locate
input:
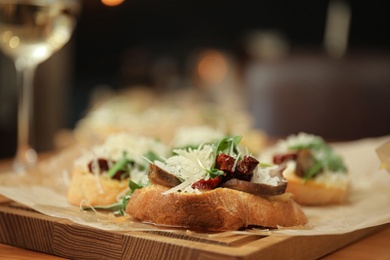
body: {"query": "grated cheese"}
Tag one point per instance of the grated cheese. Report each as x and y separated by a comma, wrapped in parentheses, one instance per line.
(326, 178)
(332, 179)
(96, 173)
(263, 175)
(189, 166)
(236, 161)
(112, 150)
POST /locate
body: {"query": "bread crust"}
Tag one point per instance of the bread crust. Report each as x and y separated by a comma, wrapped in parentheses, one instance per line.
(96, 190)
(311, 193)
(221, 209)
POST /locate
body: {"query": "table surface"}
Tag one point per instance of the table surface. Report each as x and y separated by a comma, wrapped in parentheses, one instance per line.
(375, 246)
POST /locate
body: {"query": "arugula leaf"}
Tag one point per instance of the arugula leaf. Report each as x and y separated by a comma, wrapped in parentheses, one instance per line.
(334, 162)
(151, 156)
(228, 145)
(115, 207)
(324, 156)
(133, 186)
(120, 165)
(316, 168)
(212, 173)
(118, 208)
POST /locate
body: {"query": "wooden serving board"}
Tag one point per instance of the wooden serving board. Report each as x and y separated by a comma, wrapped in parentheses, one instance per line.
(23, 227)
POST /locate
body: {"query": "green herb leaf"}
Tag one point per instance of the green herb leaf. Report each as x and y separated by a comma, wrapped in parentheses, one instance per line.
(118, 208)
(326, 158)
(316, 168)
(228, 145)
(151, 156)
(113, 207)
(212, 173)
(120, 165)
(133, 186)
(335, 163)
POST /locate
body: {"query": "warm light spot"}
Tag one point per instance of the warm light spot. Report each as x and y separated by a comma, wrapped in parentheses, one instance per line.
(6, 36)
(212, 67)
(40, 53)
(14, 42)
(112, 2)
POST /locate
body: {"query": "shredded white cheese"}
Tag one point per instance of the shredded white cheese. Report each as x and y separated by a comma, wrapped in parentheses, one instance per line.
(333, 179)
(189, 166)
(96, 173)
(113, 149)
(294, 140)
(115, 145)
(326, 178)
(263, 175)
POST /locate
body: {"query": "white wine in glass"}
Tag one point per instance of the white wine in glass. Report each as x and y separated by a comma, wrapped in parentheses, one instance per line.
(30, 32)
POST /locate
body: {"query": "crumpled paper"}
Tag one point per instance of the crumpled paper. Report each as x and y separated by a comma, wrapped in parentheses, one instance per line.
(44, 187)
(383, 153)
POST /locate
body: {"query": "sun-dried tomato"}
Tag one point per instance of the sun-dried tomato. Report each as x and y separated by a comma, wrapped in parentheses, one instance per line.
(104, 165)
(247, 165)
(284, 157)
(225, 162)
(101, 163)
(208, 184)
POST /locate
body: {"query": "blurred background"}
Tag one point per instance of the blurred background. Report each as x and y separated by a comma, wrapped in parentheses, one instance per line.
(317, 66)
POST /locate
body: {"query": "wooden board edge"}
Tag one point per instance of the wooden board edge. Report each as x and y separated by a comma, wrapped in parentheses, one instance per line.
(39, 232)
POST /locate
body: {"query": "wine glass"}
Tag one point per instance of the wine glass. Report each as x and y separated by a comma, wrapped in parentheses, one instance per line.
(30, 32)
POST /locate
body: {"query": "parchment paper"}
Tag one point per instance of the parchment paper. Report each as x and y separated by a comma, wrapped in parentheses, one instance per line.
(43, 188)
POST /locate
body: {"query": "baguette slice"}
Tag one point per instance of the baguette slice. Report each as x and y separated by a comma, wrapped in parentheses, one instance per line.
(314, 193)
(90, 180)
(96, 190)
(221, 209)
(328, 186)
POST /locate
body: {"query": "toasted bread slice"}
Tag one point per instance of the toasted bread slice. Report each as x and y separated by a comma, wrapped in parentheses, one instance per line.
(220, 209)
(96, 190)
(317, 193)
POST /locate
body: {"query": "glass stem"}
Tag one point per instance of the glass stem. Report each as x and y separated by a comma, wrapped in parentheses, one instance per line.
(25, 155)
